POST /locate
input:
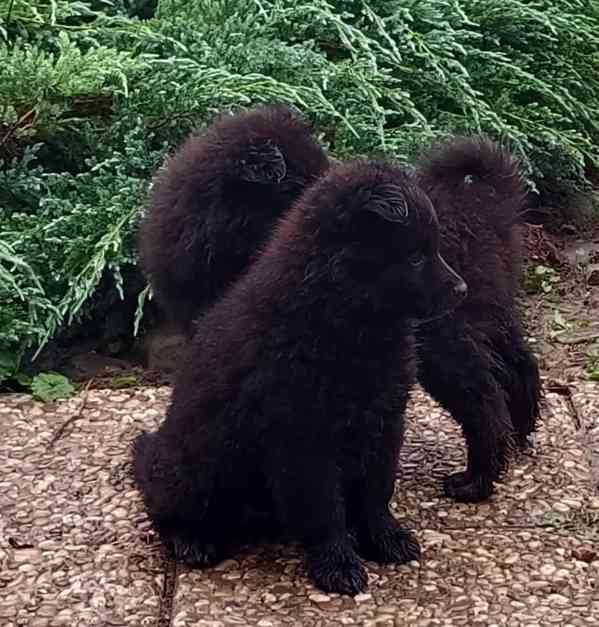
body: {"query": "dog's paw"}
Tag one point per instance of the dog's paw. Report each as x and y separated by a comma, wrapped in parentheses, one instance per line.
(195, 553)
(467, 488)
(338, 569)
(390, 543)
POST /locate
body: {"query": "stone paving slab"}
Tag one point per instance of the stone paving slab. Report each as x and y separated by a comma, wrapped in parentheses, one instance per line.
(72, 549)
(76, 548)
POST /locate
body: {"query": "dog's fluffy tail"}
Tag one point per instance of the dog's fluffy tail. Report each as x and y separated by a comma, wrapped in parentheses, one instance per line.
(478, 175)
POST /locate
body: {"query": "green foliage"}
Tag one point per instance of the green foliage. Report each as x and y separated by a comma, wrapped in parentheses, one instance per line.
(123, 383)
(540, 280)
(92, 96)
(51, 386)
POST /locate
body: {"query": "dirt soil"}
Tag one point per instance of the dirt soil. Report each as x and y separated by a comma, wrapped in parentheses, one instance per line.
(561, 307)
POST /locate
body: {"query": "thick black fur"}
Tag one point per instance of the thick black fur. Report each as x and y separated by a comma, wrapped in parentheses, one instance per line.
(289, 402)
(216, 201)
(476, 361)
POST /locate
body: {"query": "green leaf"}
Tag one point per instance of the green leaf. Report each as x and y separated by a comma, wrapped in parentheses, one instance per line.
(124, 382)
(9, 364)
(23, 379)
(51, 386)
(593, 375)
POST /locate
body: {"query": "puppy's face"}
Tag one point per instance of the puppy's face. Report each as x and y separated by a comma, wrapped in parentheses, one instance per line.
(411, 269)
(391, 252)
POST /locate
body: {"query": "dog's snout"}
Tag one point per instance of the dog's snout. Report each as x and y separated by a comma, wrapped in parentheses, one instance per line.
(461, 289)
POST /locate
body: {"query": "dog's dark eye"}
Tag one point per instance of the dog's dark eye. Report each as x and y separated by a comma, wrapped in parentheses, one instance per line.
(417, 259)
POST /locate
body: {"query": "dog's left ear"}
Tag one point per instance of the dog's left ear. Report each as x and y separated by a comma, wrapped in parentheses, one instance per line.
(388, 201)
(263, 164)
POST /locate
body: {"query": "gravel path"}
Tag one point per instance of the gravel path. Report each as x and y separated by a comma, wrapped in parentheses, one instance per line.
(76, 548)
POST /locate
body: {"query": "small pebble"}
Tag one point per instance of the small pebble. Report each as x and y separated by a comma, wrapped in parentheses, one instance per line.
(561, 507)
(558, 599)
(360, 598)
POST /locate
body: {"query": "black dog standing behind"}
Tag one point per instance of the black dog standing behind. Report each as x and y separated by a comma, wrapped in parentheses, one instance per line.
(217, 200)
(291, 397)
(476, 362)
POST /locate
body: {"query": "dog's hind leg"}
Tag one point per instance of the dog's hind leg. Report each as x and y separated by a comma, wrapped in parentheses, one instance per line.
(456, 367)
(519, 376)
(193, 520)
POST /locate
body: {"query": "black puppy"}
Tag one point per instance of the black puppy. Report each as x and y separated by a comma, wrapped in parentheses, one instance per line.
(291, 397)
(476, 362)
(216, 202)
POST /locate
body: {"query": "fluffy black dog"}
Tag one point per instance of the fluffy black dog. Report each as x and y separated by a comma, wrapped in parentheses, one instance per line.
(290, 400)
(216, 202)
(476, 362)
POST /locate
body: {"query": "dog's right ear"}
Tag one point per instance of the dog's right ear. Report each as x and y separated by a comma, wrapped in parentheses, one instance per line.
(263, 163)
(388, 201)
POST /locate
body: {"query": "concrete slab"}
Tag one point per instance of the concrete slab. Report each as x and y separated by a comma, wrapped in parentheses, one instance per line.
(76, 548)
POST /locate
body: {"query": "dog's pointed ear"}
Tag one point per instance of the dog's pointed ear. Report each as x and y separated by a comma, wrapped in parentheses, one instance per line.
(263, 163)
(388, 201)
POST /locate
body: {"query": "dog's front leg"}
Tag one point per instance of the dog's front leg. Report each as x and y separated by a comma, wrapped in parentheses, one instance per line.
(379, 536)
(309, 503)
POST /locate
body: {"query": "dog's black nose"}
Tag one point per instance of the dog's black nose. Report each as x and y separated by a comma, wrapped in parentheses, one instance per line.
(461, 289)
